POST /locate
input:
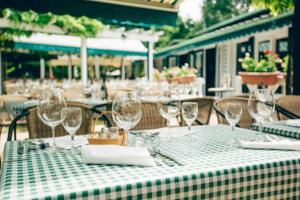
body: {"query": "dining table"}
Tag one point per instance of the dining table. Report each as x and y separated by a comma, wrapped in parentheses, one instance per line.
(213, 169)
(282, 128)
(17, 107)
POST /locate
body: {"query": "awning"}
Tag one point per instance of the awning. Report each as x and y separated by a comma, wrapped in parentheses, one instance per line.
(228, 33)
(71, 44)
(141, 14)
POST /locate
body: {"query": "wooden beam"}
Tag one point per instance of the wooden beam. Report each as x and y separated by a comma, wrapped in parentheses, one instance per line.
(6, 23)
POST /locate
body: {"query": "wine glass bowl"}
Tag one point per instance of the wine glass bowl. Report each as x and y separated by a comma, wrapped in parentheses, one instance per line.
(50, 105)
(261, 106)
(72, 118)
(169, 105)
(189, 114)
(233, 114)
(127, 110)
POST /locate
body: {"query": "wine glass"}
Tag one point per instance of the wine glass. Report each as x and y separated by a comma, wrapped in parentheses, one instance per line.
(169, 105)
(233, 113)
(261, 105)
(189, 114)
(50, 105)
(127, 110)
(72, 118)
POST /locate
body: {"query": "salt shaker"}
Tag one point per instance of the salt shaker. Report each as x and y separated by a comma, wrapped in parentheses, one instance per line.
(104, 133)
(114, 132)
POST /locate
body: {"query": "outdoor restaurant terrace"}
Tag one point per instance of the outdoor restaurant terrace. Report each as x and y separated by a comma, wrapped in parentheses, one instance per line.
(93, 106)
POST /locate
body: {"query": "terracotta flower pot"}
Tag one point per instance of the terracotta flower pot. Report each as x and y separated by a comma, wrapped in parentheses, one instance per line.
(173, 79)
(186, 79)
(260, 78)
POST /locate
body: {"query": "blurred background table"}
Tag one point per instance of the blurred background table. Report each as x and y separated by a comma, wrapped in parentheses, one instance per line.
(221, 90)
(17, 107)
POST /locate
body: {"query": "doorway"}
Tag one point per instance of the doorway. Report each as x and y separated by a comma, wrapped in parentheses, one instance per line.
(183, 59)
(210, 72)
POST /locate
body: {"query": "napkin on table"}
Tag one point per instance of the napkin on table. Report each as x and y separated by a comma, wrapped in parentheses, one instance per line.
(283, 145)
(114, 154)
(293, 122)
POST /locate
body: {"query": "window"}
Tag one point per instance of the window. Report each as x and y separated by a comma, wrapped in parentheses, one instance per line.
(199, 62)
(172, 62)
(263, 46)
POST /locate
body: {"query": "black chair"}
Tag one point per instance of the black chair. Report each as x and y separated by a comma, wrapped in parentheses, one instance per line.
(37, 129)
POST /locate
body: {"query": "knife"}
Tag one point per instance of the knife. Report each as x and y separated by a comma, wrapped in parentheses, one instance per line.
(179, 162)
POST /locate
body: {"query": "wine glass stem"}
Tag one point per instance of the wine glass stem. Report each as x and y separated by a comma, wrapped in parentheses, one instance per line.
(126, 134)
(232, 133)
(260, 130)
(72, 139)
(53, 136)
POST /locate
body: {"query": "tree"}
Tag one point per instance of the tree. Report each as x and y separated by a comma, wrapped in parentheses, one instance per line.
(276, 6)
(183, 30)
(214, 11)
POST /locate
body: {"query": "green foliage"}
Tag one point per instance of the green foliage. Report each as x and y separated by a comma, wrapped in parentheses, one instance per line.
(77, 26)
(175, 72)
(285, 63)
(265, 64)
(8, 71)
(276, 6)
(213, 13)
(183, 30)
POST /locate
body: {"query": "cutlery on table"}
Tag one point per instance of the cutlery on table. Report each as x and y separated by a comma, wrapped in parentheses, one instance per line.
(13, 160)
(167, 162)
(179, 162)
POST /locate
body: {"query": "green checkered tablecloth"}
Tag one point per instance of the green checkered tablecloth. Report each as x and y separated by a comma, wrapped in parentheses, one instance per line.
(215, 170)
(16, 107)
(278, 129)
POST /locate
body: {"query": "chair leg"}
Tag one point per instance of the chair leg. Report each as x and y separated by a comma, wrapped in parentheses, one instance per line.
(0, 129)
(15, 132)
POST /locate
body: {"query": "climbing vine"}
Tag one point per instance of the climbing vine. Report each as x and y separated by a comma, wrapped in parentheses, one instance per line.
(81, 26)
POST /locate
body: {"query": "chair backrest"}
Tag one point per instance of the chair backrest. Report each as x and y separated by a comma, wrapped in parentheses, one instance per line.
(246, 120)
(108, 119)
(290, 103)
(37, 129)
(205, 105)
(151, 117)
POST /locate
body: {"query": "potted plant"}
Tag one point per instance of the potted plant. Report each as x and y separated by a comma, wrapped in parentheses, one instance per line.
(263, 72)
(183, 75)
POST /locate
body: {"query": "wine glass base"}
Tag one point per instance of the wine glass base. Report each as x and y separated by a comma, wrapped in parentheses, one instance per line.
(189, 138)
(72, 152)
(231, 141)
(55, 149)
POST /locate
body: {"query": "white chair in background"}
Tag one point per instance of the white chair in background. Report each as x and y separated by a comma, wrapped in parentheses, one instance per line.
(200, 84)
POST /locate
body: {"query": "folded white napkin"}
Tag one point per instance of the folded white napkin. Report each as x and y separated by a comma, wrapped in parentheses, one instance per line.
(283, 144)
(293, 122)
(113, 154)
